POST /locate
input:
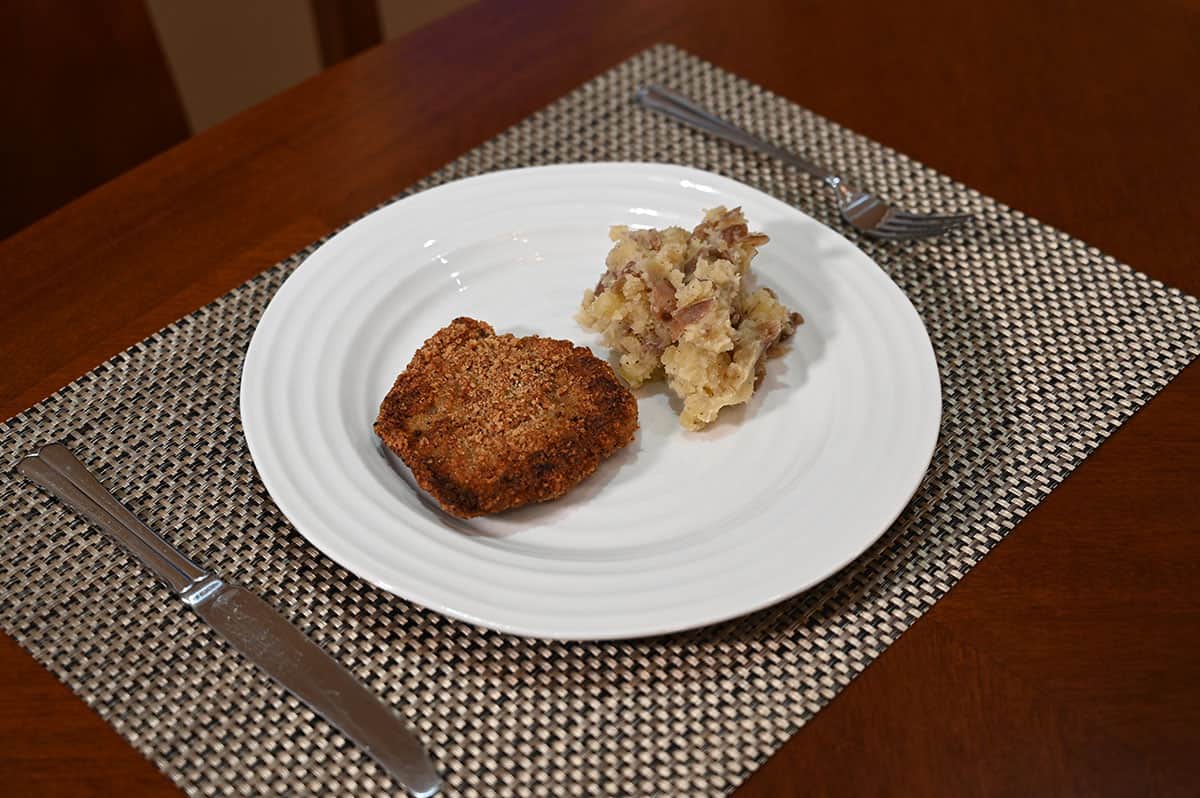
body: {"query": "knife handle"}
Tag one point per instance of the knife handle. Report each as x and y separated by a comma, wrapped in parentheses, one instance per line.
(57, 470)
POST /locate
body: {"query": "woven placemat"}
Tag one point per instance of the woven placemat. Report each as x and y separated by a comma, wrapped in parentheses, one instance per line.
(1045, 346)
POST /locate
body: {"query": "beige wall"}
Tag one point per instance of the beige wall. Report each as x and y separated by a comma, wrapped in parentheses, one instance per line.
(226, 55)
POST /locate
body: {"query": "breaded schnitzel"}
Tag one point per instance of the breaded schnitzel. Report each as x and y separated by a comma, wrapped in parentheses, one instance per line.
(489, 422)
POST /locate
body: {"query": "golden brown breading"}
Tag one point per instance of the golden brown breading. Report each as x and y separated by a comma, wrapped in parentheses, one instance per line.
(490, 422)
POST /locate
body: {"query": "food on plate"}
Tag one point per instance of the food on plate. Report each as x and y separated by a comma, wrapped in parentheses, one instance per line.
(678, 304)
(490, 422)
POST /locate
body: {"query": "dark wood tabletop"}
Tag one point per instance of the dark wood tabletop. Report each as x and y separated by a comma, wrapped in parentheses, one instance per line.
(1066, 663)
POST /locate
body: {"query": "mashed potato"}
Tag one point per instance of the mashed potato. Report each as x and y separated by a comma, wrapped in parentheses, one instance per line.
(673, 303)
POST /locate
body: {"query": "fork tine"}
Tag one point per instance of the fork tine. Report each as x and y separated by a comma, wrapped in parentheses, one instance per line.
(918, 219)
(892, 235)
(921, 226)
(901, 233)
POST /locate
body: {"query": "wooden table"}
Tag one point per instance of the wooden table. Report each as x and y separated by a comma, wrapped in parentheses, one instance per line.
(1066, 663)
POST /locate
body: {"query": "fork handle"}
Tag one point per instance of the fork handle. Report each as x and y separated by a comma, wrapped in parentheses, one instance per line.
(57, 470)
(684, 110)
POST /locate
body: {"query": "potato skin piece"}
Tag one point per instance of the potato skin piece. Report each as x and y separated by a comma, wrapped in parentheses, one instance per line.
(490, 422)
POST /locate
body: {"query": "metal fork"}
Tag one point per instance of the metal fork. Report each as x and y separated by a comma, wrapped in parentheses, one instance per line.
(864, 211)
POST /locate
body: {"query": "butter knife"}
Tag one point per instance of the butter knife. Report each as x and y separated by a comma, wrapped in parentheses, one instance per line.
(250, 625)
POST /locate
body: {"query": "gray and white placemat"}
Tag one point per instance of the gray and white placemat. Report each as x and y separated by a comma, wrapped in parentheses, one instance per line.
(1045, 346)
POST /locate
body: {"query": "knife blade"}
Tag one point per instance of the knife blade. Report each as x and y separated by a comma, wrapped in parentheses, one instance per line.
(248, 623)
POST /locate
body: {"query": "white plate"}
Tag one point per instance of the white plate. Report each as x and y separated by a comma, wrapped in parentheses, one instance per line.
(679, 529)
